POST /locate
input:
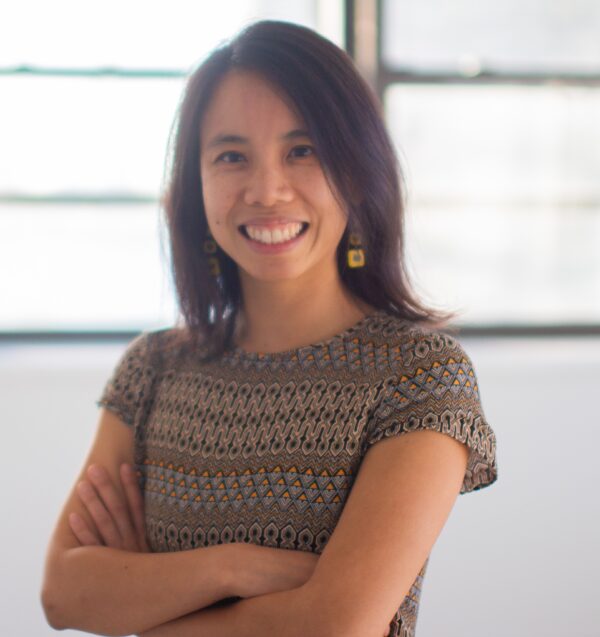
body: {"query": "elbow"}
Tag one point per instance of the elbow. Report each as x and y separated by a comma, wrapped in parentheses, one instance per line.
(338, 621)
(341, 631)
(327, 617)
(322, 614)
(48, 596)
(57, 617)
(355, 631)
(63, 607)
(51, 609)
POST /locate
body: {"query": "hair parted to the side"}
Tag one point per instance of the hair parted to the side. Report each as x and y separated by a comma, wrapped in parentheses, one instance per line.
(345, 122)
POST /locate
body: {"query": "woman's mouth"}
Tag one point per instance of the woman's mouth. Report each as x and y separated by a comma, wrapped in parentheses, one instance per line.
(274, 239)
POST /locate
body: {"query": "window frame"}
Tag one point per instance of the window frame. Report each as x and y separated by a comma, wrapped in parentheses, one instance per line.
(363, 42)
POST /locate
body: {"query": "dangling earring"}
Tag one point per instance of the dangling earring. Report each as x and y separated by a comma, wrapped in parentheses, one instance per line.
(210, 247)
(356, 254)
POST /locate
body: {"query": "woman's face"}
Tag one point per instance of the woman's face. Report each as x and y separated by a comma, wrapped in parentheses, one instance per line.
(260, 174)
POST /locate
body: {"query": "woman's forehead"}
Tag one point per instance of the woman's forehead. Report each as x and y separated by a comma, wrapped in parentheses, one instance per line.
(247, 101)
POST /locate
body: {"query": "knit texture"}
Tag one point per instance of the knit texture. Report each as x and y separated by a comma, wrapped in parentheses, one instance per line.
(264, 448)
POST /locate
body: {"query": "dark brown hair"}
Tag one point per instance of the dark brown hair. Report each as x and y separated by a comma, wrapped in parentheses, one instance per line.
(344, 119)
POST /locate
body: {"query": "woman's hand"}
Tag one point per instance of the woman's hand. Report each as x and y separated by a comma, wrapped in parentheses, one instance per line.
(119, 522)
(262, 570)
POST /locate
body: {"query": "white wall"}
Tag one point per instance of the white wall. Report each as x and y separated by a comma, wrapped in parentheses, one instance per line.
(520, 558)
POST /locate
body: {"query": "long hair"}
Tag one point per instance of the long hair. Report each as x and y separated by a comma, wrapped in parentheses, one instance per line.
(344, 120)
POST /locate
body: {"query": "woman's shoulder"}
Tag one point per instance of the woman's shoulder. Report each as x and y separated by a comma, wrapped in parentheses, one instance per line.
(415, 341)
(151, 347)
(168, 342)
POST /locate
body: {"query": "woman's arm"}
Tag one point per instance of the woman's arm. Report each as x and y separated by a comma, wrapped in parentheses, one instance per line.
(112, 591)
(290, 613)
(294, 613)
(259, 571)
(108, 591)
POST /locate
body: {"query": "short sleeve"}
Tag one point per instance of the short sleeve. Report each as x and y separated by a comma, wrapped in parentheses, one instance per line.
(436, 388)
(128, 391)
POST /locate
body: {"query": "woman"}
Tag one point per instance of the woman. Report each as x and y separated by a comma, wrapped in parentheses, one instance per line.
(303, 363)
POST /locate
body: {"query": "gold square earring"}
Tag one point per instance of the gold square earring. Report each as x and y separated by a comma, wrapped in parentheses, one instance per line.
(210, 247)
(356, 254)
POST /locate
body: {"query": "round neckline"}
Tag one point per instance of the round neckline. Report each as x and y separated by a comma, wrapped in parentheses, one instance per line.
(241, 353)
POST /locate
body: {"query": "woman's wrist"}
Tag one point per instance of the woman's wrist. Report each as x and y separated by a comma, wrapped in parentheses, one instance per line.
(221, 567)
(253, 570)
(240, 569)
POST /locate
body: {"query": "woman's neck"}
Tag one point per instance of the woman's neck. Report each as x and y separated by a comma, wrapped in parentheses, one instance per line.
(269, 326)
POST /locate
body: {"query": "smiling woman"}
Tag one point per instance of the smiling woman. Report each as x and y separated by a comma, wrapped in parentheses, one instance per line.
(278, 127)
(301, 438)
(265, 177)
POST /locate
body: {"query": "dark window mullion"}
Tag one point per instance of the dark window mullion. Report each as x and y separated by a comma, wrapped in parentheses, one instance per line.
(93, 72)
(388, 76)
(77, 199)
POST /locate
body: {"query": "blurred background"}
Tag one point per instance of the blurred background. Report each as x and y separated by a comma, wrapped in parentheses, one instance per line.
(494, 109)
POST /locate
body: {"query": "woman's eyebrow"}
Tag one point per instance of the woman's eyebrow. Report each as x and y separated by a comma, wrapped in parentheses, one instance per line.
(225, 138)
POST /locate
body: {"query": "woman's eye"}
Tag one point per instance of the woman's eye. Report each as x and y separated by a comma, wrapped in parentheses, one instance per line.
(233, 157)
(230, 157)
(303, 151)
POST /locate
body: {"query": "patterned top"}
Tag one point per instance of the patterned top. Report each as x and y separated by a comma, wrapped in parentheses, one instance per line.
(265, 448)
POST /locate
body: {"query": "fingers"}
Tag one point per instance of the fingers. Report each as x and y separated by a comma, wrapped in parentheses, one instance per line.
(136, 504)
(107, 530)
(82, 531)
(112, 512)
(118, 516)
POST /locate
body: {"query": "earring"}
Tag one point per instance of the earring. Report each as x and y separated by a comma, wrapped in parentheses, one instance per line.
(356, 254)
(210, 247)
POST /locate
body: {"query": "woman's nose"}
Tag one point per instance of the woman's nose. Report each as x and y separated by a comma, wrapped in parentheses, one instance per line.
(267, 185)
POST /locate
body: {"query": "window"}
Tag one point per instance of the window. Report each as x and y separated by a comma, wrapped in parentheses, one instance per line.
(494, 109)
(89, 93)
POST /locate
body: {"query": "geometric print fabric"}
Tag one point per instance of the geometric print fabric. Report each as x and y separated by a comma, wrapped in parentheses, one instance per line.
(264, 448)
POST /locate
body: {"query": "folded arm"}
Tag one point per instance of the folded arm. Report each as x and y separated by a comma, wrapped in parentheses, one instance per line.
(101, 577)
(110, 590)
(290, 613)
(405, 493)
(113, 592)
(402, 496)
(273, 579)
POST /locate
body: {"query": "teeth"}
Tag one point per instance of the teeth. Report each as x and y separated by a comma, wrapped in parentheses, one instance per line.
(279, 235)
